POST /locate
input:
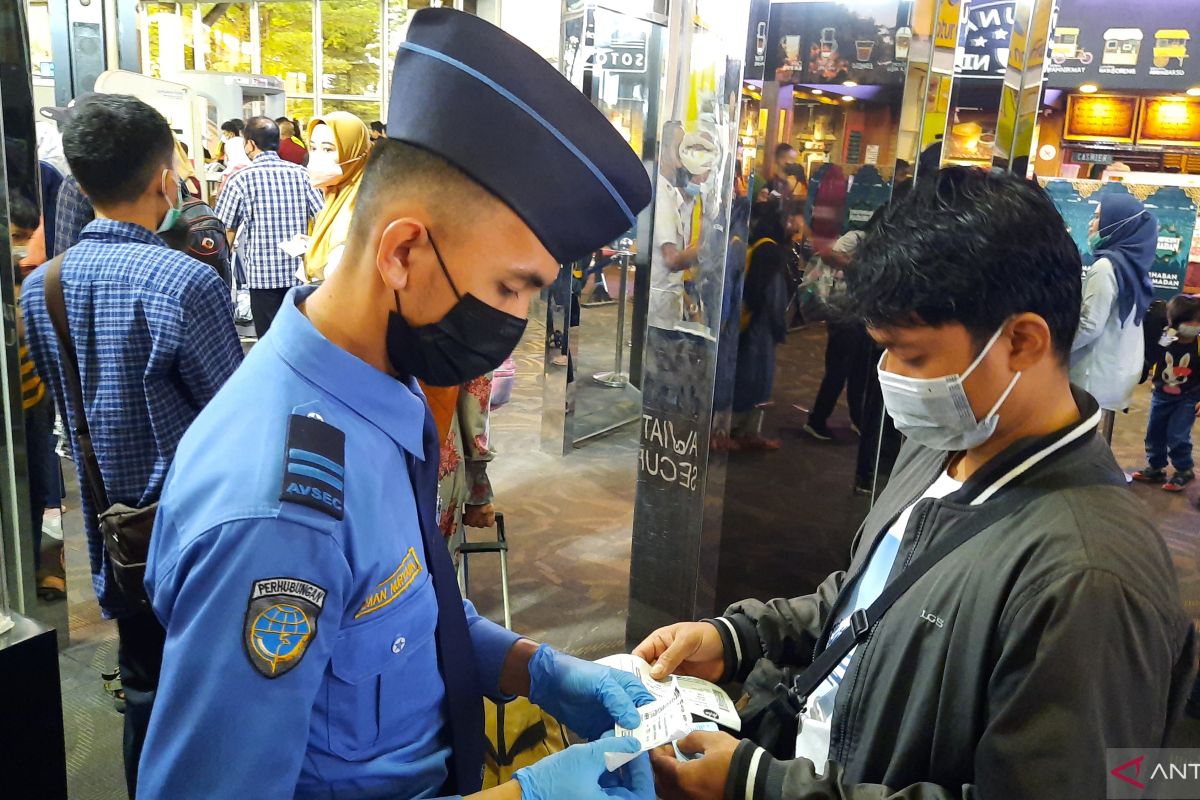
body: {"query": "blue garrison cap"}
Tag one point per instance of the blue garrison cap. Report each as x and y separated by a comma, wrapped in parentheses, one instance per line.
(467, 91)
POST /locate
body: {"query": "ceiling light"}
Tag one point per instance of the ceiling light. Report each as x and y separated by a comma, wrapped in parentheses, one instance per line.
(1088, 88)
(1194, 91)
(848, 98)
(849, 83)
(820, 91)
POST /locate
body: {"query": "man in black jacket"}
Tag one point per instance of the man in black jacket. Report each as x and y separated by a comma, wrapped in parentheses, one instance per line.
(1051, 632)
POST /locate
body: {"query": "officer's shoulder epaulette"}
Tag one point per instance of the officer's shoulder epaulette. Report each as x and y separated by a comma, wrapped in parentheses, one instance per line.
(314, 465)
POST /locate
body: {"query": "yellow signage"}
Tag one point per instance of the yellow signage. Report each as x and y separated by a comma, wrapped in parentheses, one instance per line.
(1101, 118)
(1167, 120)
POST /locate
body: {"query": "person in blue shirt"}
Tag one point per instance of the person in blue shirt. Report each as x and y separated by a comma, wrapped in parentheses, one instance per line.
(154, 340)
(316, 641)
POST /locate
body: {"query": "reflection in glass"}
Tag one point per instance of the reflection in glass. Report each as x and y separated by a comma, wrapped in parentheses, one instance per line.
(287, 50)
(820, 156)
(351, 46)
(229, 46)
(366, 110)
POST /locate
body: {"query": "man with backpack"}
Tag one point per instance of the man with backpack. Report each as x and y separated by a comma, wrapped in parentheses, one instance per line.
(151, 333)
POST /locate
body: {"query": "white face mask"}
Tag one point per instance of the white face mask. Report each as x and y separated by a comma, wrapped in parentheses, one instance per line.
(323, 168)
(935, 412)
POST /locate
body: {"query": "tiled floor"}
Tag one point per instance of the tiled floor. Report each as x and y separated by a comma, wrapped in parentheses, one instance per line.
(569, 522)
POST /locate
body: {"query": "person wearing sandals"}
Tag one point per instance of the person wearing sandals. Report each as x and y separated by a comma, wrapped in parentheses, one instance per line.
(1176, 400)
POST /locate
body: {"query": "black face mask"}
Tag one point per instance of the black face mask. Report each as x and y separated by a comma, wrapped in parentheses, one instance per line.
(794, 170)
(470, 341)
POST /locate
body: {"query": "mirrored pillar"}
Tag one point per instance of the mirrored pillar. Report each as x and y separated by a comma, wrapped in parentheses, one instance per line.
(674, 552)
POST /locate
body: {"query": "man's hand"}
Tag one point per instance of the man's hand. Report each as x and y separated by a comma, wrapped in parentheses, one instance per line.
(586, 697)
(479, 516)
(685, 648)
(579, 773)
(701, 779)
(1198, 409)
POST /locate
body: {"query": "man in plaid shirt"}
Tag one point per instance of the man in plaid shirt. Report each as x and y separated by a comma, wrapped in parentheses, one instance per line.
(154, 339)
(267, 203)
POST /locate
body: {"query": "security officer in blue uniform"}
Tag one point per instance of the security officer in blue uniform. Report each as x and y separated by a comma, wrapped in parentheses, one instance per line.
(317, 644)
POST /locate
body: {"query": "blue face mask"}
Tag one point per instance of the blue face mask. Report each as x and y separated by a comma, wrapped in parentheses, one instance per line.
(936, 412)
(691, 189)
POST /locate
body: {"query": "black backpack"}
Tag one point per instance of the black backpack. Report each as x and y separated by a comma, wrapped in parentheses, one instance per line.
(202, 236)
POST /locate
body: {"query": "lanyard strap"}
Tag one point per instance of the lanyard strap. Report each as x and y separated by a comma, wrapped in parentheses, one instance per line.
(793, 699)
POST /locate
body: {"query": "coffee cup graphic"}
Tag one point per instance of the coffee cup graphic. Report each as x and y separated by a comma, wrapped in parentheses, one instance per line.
(829, 44)
(863, 48)
(903, 37)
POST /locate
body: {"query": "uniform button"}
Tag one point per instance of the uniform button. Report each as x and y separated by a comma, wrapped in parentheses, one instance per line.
(398, 644)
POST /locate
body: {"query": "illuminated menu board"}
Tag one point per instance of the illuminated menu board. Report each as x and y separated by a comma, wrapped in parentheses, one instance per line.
(1101, 118)
(1168, 120)
(1122, 45)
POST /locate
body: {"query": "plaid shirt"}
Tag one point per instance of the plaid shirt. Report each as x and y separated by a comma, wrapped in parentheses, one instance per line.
(154, 337)
(72, 212)
(266, 203)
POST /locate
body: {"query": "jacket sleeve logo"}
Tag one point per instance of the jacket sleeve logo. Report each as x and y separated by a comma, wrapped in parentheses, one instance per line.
(393, 586)
(281, 621)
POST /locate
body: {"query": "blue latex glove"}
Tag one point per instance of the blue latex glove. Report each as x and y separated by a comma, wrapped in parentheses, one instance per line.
(579, 773)
(586, 697)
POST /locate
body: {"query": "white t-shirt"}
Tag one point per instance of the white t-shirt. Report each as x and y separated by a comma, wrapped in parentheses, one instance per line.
(672, 223)
(812, 740)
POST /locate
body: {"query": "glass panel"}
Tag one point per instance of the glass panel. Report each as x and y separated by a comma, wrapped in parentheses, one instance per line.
(621, 80)
(351, 47)
(794, 396)
(166, 39)
(286, 30)
(366, 110)
(300, 108)
(227, 26)
(188, 34)
(672, 569)
(40, 58)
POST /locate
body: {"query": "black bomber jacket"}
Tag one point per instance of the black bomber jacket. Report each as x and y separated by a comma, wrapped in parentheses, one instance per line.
(1056, 633)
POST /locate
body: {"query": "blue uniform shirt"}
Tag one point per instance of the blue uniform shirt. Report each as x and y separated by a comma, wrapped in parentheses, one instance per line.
(300, 658)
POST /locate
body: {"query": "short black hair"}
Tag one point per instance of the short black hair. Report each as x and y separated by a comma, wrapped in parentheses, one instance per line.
(782, 149)
(114, 145)
(234, 126)
(22, 213)
(394, 168)
(264, 132)
(1183, 308)
(972, 247)
(377, 126)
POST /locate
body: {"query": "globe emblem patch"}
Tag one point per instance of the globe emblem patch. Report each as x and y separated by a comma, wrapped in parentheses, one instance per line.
(281, 621)
(280, 633)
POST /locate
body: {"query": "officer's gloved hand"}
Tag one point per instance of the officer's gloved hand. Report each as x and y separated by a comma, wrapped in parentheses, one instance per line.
(580, 774)
(586, 697)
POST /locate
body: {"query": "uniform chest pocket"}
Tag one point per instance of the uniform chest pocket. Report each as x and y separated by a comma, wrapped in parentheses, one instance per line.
(385, 687)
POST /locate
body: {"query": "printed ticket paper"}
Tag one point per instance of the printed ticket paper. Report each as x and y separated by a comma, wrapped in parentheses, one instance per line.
(681, 704)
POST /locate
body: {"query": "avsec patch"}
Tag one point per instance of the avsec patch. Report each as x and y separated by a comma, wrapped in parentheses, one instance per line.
(314, 466)
(281, 621)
